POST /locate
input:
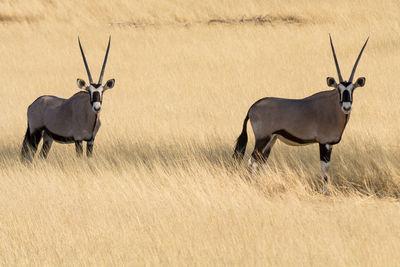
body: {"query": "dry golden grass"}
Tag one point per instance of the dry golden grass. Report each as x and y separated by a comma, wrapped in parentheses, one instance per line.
(161, 188)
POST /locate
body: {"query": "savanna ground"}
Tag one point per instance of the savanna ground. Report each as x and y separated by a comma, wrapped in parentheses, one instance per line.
(162, 188)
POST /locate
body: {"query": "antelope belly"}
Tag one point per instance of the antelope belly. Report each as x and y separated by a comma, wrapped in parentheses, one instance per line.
(290, 142)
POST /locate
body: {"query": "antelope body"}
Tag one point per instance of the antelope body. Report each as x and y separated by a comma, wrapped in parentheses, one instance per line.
(320, 118)
(71, 120)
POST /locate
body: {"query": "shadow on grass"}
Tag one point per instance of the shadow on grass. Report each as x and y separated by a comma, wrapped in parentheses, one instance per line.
(172, 155)
(18, 19)
(369, 170)
(254, 20)
(119, 154)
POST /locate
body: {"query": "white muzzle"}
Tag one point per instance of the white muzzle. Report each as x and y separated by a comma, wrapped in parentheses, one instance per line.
(96, 106)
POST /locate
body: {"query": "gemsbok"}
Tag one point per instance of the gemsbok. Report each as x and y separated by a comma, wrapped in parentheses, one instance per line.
(71, 120)
(319, 118)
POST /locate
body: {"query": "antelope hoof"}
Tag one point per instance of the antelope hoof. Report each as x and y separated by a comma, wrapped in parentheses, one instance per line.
(326, 191)
(252, 166)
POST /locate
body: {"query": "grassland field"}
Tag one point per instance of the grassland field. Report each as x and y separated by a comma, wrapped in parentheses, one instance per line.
(162, 188)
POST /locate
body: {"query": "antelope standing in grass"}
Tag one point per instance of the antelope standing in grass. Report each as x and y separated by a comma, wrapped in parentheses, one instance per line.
(71, 120)
(319, 118)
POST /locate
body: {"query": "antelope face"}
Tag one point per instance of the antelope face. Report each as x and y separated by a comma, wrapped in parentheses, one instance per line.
(346, 90)
(96, 92)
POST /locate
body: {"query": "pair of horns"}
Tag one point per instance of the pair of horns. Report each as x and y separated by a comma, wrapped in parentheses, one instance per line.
(355, 64)
(87, 67)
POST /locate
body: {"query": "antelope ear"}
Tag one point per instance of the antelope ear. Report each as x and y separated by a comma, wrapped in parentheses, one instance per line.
(109, 84)
(81, 83)
(331, 82)
(360, 82)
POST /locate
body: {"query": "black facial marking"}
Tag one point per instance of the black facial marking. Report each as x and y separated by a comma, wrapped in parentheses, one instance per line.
(345, 83)
(293, 138)
(96, 97)
(96, 85)
(346, 96)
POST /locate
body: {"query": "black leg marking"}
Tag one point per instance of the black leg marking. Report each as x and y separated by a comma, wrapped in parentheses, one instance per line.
(258, 153)
(268, 147)
(35, 140)
(79, 148)
(47, 142)
(89, 148)
(325, 151)
(30, 144)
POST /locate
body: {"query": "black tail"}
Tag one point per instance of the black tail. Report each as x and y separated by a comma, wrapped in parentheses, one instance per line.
(241, 142)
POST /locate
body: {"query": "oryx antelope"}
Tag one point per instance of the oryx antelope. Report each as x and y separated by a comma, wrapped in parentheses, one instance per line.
(319, 118)
(75, 119)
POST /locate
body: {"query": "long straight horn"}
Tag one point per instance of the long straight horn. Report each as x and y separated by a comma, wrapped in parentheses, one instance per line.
(105, 61)
(84, 61)
(336, 62)
(358, 59)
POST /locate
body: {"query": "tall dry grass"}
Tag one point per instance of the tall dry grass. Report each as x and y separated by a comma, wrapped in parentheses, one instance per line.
(161, 188)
